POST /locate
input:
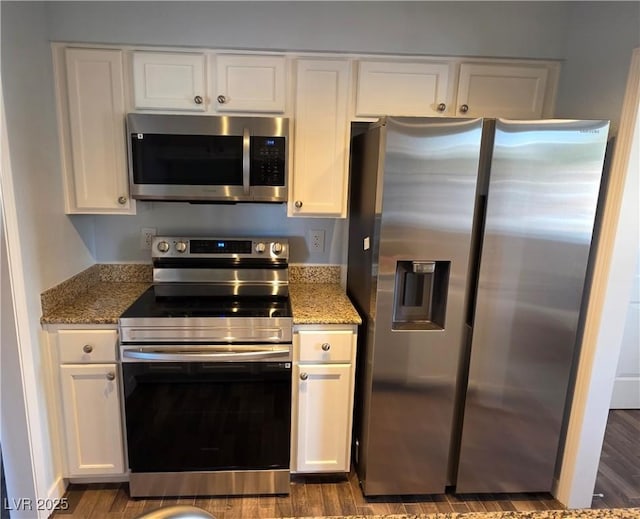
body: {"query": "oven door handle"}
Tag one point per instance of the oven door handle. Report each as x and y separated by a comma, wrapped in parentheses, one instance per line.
(169, 356)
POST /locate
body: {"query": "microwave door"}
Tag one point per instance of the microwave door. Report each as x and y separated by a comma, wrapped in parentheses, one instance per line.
(190, 167)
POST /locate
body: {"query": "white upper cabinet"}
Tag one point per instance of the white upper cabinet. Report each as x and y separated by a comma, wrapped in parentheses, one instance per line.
(91, 108)
(514, 91)
(403, 88)
(321, 141)
(248, 83)
(169, 81)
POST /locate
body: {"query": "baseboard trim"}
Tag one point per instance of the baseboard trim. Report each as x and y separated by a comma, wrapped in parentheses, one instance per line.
(626, 393)
(57, 489)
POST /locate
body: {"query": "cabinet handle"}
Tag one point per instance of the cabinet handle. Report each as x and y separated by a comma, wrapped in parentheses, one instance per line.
(298, 204)
(87, 348)
(326, 346)
(197, 100)
(122, 200)
(222, 99)
(111, 375)
(464, 109)
(304, 376)
(442, 107)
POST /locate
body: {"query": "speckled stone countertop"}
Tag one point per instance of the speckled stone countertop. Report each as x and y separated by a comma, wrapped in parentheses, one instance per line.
(101, 293)
(97, 295)
(611, 513)
(321, 303)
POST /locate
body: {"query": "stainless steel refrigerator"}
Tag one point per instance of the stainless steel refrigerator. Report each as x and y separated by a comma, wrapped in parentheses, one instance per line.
(468, 248)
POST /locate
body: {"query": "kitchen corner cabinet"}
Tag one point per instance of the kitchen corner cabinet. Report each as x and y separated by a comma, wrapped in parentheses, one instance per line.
(246, 83)
(90, 396)
(404, 88)
(323, 385)
(512, 91)
(91, 108)
(169, 81)
(321, 138)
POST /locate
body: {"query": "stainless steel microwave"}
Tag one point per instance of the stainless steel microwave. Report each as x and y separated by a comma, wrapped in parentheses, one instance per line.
(204, 158)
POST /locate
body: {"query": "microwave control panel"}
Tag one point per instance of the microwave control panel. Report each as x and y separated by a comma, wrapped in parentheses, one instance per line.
(268, 161)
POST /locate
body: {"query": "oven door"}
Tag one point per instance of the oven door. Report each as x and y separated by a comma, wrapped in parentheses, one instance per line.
(202, 409)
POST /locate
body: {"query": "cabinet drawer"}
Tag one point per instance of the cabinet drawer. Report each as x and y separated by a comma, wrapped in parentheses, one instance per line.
(78, 346)
(330, 346)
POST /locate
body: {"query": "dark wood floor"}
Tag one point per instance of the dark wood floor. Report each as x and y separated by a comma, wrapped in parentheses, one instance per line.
(619, 471)
(618, 481)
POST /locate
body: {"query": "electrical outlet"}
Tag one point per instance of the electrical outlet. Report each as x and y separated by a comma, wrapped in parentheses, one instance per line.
(146, 237)
(316, 241)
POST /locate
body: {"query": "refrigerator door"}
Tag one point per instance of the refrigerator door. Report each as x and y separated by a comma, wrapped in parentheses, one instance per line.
(543, 191)
(422, 230)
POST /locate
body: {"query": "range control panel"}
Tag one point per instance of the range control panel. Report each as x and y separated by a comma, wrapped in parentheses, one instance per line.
(183, 247)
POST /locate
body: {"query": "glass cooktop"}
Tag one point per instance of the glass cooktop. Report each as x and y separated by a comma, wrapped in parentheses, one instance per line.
(150, 305)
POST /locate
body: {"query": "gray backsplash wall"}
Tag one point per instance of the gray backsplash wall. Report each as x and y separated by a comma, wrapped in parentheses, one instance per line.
(118, 237)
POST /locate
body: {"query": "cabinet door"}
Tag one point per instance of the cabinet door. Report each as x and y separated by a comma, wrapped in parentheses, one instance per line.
(324, 403)
(501, 90)
(402, 88)
(97, 179)
(321, 144)
(250, 83)
(91, 410)
(169, 81)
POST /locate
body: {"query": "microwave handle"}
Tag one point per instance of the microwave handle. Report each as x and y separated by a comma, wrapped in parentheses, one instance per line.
(246, 159)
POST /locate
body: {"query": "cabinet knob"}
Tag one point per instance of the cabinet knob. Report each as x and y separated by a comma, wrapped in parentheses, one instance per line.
(464, 109)
(326, 346)
(87, 348)
(111, 375)
(442, 107)
(122, 200)
(304, 376)
(197, 100)
(298, 204)
(222, 99)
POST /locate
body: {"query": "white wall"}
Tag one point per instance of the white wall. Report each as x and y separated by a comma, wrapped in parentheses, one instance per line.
(600, 39)
(45, 247)
(524, 29)
(626, 389)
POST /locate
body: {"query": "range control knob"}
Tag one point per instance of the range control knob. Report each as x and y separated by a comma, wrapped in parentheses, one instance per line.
(163, 246)
(260, 247)
(181, 246)
(276, 248)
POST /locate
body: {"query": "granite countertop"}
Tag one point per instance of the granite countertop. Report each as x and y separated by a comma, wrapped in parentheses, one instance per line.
(102, 293)
(321, 303)
(102, 303)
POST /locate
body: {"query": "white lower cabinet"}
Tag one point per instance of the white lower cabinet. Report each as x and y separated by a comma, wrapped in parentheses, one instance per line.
(323, 384)
(90, 396)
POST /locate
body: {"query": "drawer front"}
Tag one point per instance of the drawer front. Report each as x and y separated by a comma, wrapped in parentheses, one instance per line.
(78, 346)
(330, 346)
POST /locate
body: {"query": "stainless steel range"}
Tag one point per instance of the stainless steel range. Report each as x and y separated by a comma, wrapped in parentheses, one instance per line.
(206, 361)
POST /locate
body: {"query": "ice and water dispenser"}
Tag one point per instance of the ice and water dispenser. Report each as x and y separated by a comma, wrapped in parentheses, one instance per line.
(420, 295)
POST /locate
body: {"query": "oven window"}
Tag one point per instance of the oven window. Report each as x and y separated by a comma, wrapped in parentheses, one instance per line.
(202, 160)
(207, 416)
